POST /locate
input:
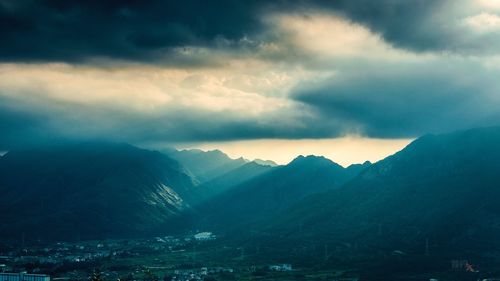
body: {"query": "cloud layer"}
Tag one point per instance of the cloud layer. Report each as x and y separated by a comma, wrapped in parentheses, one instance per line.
(152, 31)
(137, 30)
(201, 71)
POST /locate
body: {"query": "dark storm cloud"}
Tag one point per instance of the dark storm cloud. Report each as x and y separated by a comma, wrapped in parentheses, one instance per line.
(420, 25)
(25, 123)
(405, 102)
(398, 97)
(55, 30)
(404, 24)
(184, 125)
(79, 30)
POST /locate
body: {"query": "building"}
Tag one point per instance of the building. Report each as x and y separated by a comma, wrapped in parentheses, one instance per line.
(281, 267)
(203, 236)
(4, 268)
(23, 277)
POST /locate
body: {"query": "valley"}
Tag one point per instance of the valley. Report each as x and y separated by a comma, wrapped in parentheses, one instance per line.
(185, 258)
(428, 211)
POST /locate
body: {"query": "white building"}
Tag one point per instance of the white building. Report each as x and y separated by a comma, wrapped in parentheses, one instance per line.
(281, 267)
(23, 277)
(202, 236)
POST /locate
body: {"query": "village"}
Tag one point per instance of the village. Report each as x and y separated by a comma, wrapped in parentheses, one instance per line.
(159, 258)
(189, 257)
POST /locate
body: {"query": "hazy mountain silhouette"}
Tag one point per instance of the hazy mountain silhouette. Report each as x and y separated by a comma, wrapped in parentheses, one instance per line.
(265, 162)
(232, 179)
(441, 190)
(275, 190)
(89, 190)
(205, 165)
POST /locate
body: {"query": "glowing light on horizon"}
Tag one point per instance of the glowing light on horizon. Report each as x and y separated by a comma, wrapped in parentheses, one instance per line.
(344, 151)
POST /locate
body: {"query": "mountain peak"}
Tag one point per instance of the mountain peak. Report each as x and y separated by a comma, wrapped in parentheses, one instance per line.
(364, 164)
(206, 165)
(311, 159)
(265, 162)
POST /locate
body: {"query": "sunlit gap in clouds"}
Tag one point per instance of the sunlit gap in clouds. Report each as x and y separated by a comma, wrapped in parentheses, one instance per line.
(344, 151)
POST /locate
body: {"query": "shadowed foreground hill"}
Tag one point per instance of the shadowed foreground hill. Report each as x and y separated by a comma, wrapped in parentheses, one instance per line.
(441, 188)
(89, 190)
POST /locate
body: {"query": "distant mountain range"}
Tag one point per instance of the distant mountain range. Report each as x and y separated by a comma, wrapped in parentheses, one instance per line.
(232, 179)
(206, 165)
(439, 193)
(277, 189)
(100, 189)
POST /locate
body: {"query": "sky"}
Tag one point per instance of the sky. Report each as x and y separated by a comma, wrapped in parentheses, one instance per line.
(351, 80)
(344, 151)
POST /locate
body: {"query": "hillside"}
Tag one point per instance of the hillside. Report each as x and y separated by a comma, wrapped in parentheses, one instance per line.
(232, 179)
(205, 165)
(273, 191)
(441, 190)
(89, 190)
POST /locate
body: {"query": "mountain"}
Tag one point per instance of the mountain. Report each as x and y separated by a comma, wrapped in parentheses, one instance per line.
(355, 169)
(206, 165)
(89, 190)
(275, 190)
(441, 191)
(232, 178)
(265, 162)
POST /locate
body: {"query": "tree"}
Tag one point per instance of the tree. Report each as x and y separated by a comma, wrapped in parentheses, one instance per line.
(96, 275)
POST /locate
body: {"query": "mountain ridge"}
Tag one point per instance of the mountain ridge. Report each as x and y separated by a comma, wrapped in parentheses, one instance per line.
(274, 190)
(440, 188)
(93, 189)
